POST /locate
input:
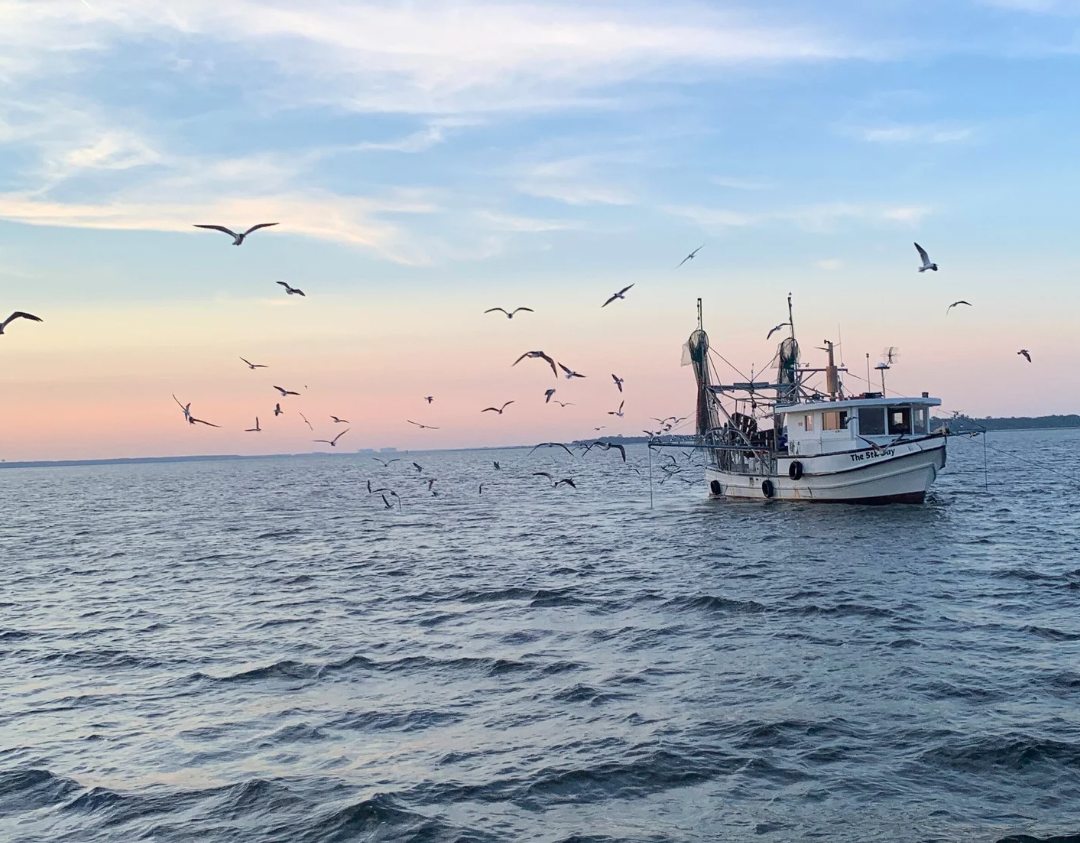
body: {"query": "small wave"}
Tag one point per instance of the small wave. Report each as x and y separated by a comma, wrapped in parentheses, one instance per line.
(105, 659)
(722, 605)
(374, 818)
(1009, 753)
(1024, 838)
(588, 694)
(30, 790)
(286, 669)
(1051, 634)
(281, 534)
(410, 721)
(843, 610)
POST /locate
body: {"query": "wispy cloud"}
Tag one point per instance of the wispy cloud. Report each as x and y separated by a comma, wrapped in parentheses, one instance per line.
(424, 56)
(735, 183)
(821, 218)
(914, 133)
(508, 222)
(574, 181)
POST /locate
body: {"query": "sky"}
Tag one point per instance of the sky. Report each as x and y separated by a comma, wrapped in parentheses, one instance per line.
(426, 161)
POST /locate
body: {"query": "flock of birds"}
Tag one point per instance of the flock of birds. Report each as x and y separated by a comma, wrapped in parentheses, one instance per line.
(666, 424)
(928, 264)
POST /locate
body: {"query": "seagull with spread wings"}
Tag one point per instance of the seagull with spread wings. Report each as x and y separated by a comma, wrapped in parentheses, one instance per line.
(954, 304)
(691, 256)
(333, 442)
(565, 403)
(237, 238)
(926, 262)
(552, 445)
(617, 412)
(538, 355)
(307, 422)
(421, 426)
(339, 421)
(255, 429)
(387, 463)
(547, 395)
(555, 484)
(285, 392)
(570, 373)
(429, 398)
(777, 328)
(498, 410)
(509, 313)
(1023, 352)
(619, 295)
(18, 314)
(254, 366)
(277, 410)
(292, 291)
(618, 381)
(185, 408)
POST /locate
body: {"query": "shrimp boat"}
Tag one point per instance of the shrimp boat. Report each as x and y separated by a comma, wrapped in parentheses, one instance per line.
(786, 440)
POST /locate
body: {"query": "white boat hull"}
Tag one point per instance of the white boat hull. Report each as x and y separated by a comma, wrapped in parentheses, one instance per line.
(896, 474)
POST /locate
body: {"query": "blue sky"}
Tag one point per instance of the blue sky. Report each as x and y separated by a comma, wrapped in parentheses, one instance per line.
(427, 159)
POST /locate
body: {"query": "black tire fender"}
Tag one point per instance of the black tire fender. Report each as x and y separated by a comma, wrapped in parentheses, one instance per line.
(795, 470)
(767, 488)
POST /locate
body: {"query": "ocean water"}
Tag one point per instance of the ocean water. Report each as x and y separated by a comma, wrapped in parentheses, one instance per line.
(260, 651)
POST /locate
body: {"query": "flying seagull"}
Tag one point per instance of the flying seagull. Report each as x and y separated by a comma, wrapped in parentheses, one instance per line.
(277, 410)
(186, 408)
(547, 395)
(926, 262)
(541, 356)
(619, 295)
(1025, 354)
(386, 503)
(254, 366)
(607, 446)
(617, 412)
(565, 403)
(777, 328)
(237, 238)
(555, 484)
(333, 442)
(285, 392)
(387, 463)
(618, 381)
(339, 421)
(954, 304)
(18, 314)
(193, 420)
(691, 256)
(552, 445)
(496, 464)
(419, 468)
(599, 428)
(570, 373)
(509, 313)
(306, 421)
(429, 398)
(292, 291)
(255, 429)
(498, 410)
(421, 426)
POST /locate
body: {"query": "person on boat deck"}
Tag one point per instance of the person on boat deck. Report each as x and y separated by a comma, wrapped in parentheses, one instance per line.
(781, 443)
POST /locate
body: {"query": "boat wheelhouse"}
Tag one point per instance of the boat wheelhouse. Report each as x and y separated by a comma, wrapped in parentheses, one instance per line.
(786, 440)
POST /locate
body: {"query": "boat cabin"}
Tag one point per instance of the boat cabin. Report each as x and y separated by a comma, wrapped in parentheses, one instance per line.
(826, 427)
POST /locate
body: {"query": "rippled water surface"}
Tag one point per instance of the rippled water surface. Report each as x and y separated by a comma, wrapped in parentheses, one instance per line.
(259, 651)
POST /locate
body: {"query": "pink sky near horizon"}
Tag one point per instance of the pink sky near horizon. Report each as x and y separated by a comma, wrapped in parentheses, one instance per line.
(93, 383)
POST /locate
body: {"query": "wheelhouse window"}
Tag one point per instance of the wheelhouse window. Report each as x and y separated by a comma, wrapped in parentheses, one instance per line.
(808, 422)
(899, 420)
(872, 421)
(920, 420)
(834, 420)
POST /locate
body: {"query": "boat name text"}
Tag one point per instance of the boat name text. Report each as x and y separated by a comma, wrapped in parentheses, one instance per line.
(873, 455)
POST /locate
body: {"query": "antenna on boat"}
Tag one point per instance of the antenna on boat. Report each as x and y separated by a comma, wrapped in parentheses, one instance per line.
(869, 383)
(831, 377)
(883, 368)
(700, 324)
(790, 316)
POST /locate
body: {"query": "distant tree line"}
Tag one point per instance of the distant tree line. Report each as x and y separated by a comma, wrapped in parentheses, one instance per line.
(965, 423)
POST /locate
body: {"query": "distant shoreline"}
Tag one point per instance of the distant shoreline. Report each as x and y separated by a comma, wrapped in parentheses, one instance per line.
(960, 424)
